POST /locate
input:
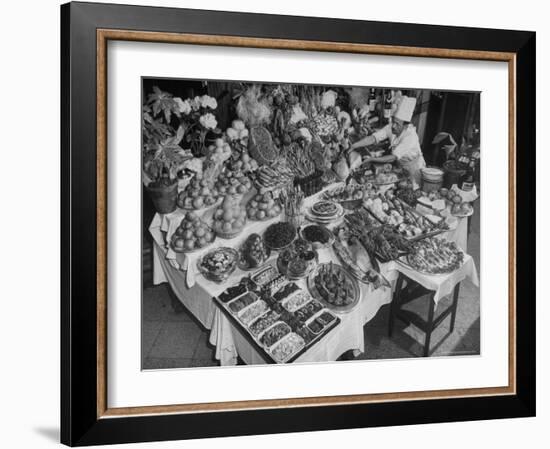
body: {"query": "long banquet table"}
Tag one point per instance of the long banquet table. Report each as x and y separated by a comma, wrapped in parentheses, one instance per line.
(196, 292)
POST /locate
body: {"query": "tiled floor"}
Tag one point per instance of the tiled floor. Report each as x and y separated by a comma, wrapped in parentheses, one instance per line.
(172, 338)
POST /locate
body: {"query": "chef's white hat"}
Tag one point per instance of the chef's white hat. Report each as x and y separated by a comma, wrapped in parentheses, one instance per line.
(405, 109)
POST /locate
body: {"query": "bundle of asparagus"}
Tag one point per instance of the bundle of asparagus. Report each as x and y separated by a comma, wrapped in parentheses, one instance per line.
(292, 199)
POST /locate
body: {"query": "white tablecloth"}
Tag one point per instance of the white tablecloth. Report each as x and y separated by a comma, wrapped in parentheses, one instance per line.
(442, 284)
(196, 293)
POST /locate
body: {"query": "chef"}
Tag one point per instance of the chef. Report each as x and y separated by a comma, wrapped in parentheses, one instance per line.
(404, 143)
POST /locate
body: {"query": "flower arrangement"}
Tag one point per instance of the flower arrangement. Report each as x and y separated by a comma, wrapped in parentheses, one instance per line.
(200, 119)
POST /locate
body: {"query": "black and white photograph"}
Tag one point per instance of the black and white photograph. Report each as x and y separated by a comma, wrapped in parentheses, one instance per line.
(299, 223)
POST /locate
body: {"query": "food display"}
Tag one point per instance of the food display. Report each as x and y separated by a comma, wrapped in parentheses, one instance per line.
(232, 182)
(229, 217)
(305, 312)
(325, 212)
(242, 301)
(297, 260)
(263, 322)
(233, 292)
(317, 235)
(333, 286)
(192, 234)
(286, 291)
(260, 145)
(271, 317)
(280, 186)
(253, 311)
(318, 323)
(380, 241)
(262, 207)
(279, 235)
(274, 285)
(265, 275)
(391, 211)
(218, 264)
(350, 196)
(274, 333)
(243, 163)
(386, 176)
(356, 259)
(287, 347)
(253, 252)
(435, 256)
(295, 301)
(272, 176)
(199, 194)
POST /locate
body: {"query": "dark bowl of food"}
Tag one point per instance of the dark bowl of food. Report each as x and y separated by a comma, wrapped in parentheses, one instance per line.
(279, 235)
(317, 235)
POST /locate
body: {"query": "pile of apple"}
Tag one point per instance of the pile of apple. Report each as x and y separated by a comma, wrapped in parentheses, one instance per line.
(262, 206)
(231, 182)
(198, 194)
(192, 233)
(244, 162)
(230, 216)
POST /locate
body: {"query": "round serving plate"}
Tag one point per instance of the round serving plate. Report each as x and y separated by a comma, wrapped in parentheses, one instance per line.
(406, 262)
(315, 293)
(218, 277)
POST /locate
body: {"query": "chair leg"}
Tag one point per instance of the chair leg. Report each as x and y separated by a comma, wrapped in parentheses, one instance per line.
(429, 325)
(394, 304)
(455, 306)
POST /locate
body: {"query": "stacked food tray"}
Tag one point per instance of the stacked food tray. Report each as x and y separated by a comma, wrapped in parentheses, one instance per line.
(282, 319)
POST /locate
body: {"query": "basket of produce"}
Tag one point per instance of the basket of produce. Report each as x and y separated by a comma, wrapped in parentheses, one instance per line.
(435, 256)
(317, 235)
(192, 234)
(253, 253)
(279, 235)
(218, 264)
(310, 184)
(261, 146)
(229, 218)
(262, 207)
(330, 284)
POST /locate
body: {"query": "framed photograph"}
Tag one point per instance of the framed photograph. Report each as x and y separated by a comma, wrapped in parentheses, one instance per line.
(284, 224)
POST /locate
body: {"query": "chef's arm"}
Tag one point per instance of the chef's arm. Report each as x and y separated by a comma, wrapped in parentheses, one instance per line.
(383, 159)
(364, 142)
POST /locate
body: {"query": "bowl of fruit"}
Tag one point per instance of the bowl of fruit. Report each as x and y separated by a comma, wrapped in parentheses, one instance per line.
(263, 207)
(253, 253)
(218, 264)
(229, 217)
(192, 234)
(232, 182)
(199, 194)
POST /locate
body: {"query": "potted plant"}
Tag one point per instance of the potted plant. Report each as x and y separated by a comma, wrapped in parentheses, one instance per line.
(163, 129)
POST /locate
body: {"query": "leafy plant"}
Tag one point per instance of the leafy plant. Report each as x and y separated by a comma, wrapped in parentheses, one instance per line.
(162, 153)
